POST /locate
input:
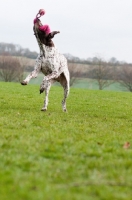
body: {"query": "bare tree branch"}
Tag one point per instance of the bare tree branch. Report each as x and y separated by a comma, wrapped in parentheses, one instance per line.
(101, 73)
(125, 77)
(74, 72)
(10, 69)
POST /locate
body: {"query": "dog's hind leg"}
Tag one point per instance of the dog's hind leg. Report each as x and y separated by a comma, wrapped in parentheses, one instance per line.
(65, 83)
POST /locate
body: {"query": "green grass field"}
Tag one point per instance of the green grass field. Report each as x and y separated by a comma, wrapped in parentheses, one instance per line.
(54, 155)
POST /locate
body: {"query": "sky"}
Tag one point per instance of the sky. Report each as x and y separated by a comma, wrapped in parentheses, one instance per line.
(88, 28)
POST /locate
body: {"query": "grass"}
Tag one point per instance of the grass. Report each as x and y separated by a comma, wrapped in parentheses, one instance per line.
(65, 156)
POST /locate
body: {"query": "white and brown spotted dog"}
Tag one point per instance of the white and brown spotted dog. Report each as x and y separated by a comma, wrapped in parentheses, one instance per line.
(53, 65)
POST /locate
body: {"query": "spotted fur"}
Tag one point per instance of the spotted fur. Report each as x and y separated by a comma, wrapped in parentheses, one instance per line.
(54, 67)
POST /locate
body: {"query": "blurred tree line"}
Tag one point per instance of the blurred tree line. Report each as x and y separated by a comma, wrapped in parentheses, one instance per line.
(13, 65)
(16, 50)
(104, 73)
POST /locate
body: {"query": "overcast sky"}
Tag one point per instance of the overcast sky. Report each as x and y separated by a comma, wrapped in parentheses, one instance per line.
(88, 27)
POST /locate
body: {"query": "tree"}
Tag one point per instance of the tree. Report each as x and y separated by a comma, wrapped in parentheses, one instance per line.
(10, 69)
(16, 50)
(125, 77)
(74, 72)
(113, 61)
(102, 73)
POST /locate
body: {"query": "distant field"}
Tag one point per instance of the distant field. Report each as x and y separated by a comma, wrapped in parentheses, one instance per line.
(82, 83)
(92, 84)
(79, 155)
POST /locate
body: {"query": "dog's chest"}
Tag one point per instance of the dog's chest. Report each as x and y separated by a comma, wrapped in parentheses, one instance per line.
(46, 68)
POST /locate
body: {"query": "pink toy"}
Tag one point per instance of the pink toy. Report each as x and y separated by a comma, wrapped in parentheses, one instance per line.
(40, 13)
(45, 28)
